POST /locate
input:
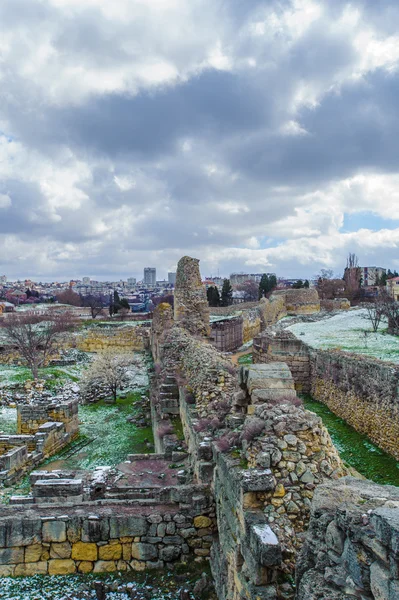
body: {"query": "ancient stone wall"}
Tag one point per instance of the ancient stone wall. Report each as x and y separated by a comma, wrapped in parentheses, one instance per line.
(31, 416)
(362, 391)
(227, 335)
(282, 345)
(335, 304)
(103, 538)
(127, 338)
(352, 545)
(302, 301)
(190, 303)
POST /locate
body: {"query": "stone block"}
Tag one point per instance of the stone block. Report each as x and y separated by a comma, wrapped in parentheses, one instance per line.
(7, 570)
(110, 552)
(61, 567)
(11, 556)
(29, 569)
(127, 526)
(142, 551)
(379, 582)
(169, 553)
(60, 550)
(138, 565)
(202, 522)
(104, 566)
(85, 566)
(54, 531)
(33, 553)
(84, 551)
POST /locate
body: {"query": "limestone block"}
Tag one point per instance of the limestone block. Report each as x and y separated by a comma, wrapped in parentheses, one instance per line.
(142, 551)
(60, 550)
(127, 526)
(61, 567)
(85, 566)
(104, 566)
(11, 556)
(7, 570)
(202, 522)
(379, 582)
(138, 565)
(33, 553)
(84, 551)
(110, 552)
(28, 569)
(169, 553)
(54, 531)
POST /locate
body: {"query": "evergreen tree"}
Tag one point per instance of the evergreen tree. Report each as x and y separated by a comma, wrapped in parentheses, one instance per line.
(264, 286)
(272, 282)
(306, 284)
(227, 293)
(123, 303)
(213, 296)
(298, 284)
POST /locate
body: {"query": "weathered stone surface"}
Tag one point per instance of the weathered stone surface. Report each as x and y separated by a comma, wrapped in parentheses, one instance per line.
(61, 567)
(104, 566)
(29, 569)
(54, 531)
(60, 550)
(33, 553)
(127, 526)
(141, 551)
(202, 521)
(110, 552)
(84, 551)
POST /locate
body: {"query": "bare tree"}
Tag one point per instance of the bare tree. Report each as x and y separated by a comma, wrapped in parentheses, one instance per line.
(37, 337)
(108, 371)
(329, 287)
(250, 289)
(374, 314)
(352, 275)
(390, 310)
(70, 297)
(95, 304)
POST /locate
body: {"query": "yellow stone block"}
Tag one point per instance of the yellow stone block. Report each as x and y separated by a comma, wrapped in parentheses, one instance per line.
(279, 492)
(28, 569)
(60, 550)
(202, 522)
(61, 567)
(7, 570)
(251, 409)
(33, 553)
(110, 552)
(104, 566)
(84, 551)
(137, 565)
(85, 566)
(127, 552)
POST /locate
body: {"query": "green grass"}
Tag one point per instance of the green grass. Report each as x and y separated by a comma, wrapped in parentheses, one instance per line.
(245, 359)
(54, 376)
(355, 448)
(106, 437)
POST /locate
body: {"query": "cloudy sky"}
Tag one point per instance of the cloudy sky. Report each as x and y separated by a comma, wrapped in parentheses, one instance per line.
(254, 135)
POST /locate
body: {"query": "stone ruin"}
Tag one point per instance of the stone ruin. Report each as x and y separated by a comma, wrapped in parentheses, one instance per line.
(262, 492)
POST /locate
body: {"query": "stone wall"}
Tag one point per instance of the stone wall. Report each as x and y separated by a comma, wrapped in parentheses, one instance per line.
(362, 391)
(190, 304)
(302, 301)
(352, 545)
(31, 416)
(127, 338)
(335, 304)
(282, 345)
(103, 538)
(227, 335)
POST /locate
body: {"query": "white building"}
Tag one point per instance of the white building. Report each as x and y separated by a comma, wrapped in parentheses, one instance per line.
(371, 275)
(150, 276)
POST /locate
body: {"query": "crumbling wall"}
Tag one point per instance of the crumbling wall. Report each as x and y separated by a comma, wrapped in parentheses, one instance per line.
(128, 338)
(352, 544)
(104, 538)
(362, 391)
(227, 335)
(190, 303)
(282, 345)
(335, 304)
(302, 301)
(31, 416)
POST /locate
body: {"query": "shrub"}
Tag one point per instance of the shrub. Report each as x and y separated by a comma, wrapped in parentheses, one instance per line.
(190, 399)
(227, 442)
(165, 429)
(252, 429)
(203, 425)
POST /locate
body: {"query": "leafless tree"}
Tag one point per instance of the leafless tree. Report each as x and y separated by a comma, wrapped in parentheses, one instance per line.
(352, 275)
(107, 371)
(95, 304)
(374, 314)
(389, 309)
(70, 297)
(250, 289)
(37, 337)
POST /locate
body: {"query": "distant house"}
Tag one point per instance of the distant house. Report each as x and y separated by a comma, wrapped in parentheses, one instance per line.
(6, 307)
(393, 288)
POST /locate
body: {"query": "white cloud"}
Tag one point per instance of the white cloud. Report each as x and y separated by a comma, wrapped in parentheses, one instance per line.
(5, 201)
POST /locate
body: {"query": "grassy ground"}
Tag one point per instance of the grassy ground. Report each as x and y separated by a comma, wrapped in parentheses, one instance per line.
(356, 449)
(106, 437)
(54, 376)
(164, 585)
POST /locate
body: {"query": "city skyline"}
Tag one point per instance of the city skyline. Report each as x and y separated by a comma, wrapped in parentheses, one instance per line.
(263, 136)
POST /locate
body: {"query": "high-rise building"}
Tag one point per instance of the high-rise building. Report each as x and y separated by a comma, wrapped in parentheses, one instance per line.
(131, 281)
(172, 278)
(150, 276)
(3, 279)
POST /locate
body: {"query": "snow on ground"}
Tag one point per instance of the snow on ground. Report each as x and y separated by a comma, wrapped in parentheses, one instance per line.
(350, 331)
(8, 420)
